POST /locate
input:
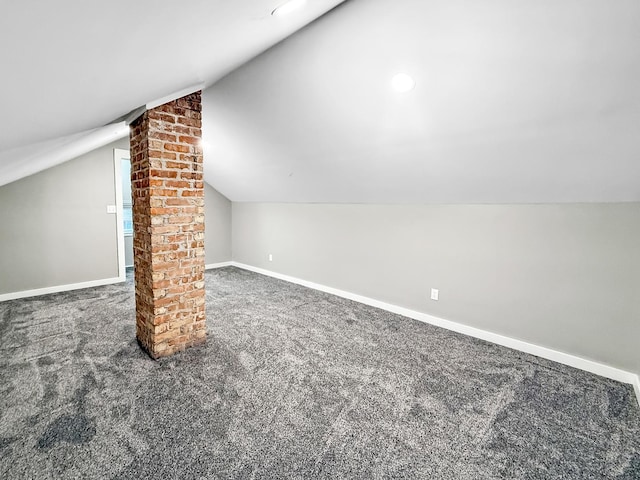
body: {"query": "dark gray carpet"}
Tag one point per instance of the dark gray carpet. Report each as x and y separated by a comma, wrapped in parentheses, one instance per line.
(292, 383)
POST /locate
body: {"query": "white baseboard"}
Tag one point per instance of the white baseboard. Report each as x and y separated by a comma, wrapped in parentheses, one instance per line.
(60, 288)
(543, 352)
(217, 265)
(77, 286)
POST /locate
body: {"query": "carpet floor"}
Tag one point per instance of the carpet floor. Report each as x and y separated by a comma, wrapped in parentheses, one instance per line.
(292, 383)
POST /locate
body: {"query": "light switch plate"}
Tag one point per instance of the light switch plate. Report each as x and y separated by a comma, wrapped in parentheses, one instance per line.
(111, 209)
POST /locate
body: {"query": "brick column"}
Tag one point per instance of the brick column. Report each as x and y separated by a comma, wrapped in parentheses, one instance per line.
(168, 223)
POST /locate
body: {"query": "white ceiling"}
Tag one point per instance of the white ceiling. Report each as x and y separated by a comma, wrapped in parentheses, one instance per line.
(72, 66)
(516, 101)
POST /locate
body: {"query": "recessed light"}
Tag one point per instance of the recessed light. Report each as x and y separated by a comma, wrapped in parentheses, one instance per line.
(402, 83)
(288, 7)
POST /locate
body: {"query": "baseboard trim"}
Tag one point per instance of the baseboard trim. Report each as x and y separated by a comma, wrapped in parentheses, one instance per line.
(520, 345)
(77, 286)
(60, 288)
(217, 265)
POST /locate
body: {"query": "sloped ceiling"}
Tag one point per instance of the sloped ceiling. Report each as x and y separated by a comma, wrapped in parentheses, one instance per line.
(74, 66)
(515, 101)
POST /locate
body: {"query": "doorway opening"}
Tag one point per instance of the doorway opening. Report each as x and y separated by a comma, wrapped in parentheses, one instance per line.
(124, 214)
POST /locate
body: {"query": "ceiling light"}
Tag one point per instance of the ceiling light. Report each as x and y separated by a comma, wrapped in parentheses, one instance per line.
(402, 83)
(288, 7)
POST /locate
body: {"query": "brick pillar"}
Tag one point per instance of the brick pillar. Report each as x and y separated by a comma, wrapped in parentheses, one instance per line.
(168, 223)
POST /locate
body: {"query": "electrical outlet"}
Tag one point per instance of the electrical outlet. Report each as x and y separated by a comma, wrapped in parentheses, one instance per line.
(434, 294)
(270, 258)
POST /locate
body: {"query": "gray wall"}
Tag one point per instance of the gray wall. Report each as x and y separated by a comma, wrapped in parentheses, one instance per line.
(562, 276)
(217, 228)
(55, 229)
(55, 226)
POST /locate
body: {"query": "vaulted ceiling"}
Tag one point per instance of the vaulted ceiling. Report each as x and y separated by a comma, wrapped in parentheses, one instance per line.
(515, 100)
(70, 67)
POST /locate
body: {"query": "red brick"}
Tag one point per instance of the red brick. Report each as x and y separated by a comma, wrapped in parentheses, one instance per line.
(178, 183)
(189, 139)
(173, 147)
(178, 201)
(160, 173)
(160, 135)
(178, 165)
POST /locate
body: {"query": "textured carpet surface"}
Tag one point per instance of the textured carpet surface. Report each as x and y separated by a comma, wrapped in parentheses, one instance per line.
(292, 383)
